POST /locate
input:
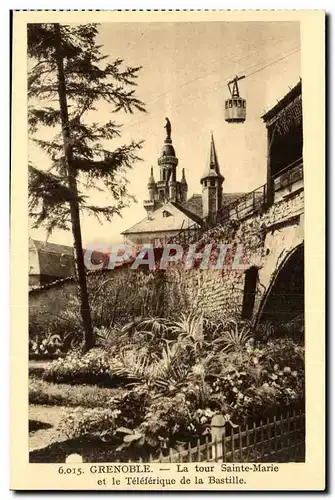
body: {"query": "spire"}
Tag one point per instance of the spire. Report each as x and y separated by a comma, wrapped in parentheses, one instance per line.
(213, 169)
(183, 178)
(213, 161)
(151, 178)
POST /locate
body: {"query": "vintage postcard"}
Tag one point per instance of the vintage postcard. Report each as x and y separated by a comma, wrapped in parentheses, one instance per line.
(168, 250)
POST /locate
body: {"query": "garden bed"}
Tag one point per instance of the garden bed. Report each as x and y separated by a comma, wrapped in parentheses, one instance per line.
(175, 375)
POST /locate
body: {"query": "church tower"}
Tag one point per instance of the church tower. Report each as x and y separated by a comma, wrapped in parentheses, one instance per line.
(211, 182)
(167, 188)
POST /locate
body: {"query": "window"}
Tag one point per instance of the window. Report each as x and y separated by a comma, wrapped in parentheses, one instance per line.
(212, 182)
(235, 103)
(250, 284)
(166, 213)
(230, 104)
(226, 104)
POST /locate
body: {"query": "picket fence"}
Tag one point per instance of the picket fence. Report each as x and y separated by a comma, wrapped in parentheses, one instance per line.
(277, 440)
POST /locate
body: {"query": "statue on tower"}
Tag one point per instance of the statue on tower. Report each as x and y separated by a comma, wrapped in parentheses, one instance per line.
(168, 129)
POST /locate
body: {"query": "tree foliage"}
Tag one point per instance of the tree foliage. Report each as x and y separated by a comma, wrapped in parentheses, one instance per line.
(90, 80)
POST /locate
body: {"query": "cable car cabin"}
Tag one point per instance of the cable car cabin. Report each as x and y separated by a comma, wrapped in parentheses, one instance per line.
(235, 110)
(235, 107)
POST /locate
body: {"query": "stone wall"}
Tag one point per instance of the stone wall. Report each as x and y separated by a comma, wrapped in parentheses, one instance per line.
(212, 292)
(267, 239)
(119, 294)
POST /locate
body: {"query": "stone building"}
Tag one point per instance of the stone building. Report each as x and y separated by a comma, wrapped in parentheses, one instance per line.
(49, 262)
(169, 210)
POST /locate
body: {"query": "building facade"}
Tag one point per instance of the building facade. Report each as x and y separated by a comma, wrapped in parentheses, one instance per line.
(169, 210)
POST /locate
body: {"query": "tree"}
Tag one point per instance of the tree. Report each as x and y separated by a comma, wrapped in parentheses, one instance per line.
(69, 77)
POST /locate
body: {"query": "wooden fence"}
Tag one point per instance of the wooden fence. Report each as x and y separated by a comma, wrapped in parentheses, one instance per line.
(277, 440)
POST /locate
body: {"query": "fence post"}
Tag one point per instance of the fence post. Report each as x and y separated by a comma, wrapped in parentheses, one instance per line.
(218, 431)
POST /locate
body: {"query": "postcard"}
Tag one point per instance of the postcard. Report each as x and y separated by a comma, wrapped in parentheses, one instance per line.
(168, 250)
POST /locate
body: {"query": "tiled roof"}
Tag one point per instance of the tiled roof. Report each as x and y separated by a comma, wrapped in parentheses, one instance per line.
(180, 217)
(189, 213)
(45, 246)
(194, 204)
(283, 103)
(230, 197)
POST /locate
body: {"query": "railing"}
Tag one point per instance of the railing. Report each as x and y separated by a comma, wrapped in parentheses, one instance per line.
(244, 206)
(281, 439)
(248, 204)
(288, 175)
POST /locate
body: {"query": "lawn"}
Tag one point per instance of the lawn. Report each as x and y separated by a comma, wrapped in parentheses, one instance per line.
(52, 394)
(49, 404)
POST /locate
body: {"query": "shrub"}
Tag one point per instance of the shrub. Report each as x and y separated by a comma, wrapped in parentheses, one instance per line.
(49, 346)
(114, 299)
(75, 368)
(66, 326)
(87, 421)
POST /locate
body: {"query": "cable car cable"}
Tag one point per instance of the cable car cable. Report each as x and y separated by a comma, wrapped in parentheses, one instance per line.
(132, 124)
(229, 58)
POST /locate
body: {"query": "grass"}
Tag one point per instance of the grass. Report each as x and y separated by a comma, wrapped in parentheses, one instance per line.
(88, 396)
(38, 367)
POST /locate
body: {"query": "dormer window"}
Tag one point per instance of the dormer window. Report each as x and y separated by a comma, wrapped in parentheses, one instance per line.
(166, 213)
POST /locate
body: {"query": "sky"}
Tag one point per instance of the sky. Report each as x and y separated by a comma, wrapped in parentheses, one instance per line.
(184, 76)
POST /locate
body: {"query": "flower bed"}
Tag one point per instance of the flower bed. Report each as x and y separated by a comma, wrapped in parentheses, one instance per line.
(177, 379)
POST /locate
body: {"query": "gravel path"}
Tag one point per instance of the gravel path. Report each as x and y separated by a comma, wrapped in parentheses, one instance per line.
(43, 422)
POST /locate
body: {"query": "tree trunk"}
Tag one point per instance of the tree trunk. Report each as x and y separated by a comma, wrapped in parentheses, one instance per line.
(74, 205)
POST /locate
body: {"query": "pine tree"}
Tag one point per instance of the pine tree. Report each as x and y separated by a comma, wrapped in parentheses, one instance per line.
(69, 77)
